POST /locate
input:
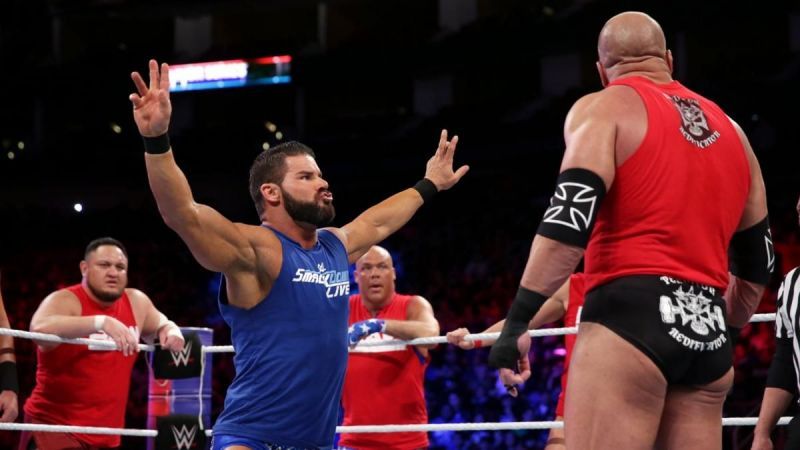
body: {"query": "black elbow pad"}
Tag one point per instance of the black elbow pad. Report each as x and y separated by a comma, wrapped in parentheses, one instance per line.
(751, 256)
(781, 370)
(573, 208)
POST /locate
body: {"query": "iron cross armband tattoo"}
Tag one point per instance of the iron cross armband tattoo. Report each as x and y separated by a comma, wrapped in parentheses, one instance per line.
(573, 208)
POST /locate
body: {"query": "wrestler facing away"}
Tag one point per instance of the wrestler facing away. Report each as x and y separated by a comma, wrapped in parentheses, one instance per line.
(285, 281)
(660, 184)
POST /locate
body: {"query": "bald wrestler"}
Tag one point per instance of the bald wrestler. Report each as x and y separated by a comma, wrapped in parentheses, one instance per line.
(666, 191)
(385, 386)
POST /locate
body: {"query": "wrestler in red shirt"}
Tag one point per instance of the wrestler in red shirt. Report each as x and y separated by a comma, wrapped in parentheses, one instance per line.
(384, 384)
(85, 386)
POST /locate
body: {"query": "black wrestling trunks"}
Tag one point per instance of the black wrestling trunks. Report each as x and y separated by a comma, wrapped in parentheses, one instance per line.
(679, 325)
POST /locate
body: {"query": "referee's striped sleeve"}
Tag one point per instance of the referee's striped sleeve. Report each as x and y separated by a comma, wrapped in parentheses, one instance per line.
(784, 369)
(787, 303)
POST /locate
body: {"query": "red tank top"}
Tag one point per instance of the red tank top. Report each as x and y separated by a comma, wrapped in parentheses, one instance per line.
(577, 286)
(79, 386)
(384, 387)
(676, 202)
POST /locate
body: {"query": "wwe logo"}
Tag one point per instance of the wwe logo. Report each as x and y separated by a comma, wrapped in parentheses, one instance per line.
(181, 357)
(184, 437)
(566, 209)
(321, 267)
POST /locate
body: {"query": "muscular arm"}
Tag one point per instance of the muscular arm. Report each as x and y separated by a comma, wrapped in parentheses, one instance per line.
(420, 321)
(743, 296)
(218, 244)
(379, 222)
(592, 140)
(590, 133)
(60, 314)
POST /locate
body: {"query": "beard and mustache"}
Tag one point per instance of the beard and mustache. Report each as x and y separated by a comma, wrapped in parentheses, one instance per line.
(309, 212)
(103, 296)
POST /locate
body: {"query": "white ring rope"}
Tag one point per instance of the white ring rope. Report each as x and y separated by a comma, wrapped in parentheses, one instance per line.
(533, 333)
(489, 426)
(110, 345)
(105, 345)
(768, 317)
(218, 349)
(728, 421)
(469, 337)
(74, 429)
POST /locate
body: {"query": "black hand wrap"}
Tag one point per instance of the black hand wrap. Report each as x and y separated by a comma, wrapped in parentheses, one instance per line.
(8, 376)
(426, 189)
(573, 208)
(504, 353)
(751, 256)
(156, 145)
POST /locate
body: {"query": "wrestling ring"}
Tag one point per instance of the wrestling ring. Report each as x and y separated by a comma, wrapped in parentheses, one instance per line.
(362, 347)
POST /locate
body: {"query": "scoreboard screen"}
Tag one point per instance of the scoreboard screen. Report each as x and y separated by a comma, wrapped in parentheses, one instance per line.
(230, 74)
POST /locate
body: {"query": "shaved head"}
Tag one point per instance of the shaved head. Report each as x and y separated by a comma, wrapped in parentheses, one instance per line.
(375, 277)
(376, 252)
(630, 37)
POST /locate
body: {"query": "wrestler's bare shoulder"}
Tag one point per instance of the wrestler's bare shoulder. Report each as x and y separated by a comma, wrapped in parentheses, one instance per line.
(258, 235)
(611, 100)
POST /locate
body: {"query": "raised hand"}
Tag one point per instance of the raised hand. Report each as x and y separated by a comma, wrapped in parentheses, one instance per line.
(440, 167)
(151, 106)
(360, 330)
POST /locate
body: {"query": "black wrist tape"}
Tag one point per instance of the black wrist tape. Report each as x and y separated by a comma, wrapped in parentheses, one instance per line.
(8, 376)
(156, 145)
(504, 353)
(426, 189)
(573, 208)
(751, 256)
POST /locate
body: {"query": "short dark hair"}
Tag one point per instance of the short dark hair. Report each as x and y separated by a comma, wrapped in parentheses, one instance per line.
(270, 167)
(99, 242)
